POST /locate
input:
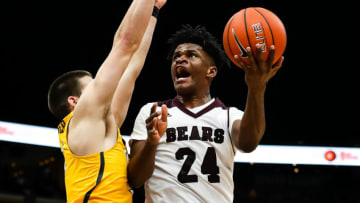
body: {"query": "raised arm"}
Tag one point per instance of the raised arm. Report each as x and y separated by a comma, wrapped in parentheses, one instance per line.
(125, 88)
(128, 37)
(88, 126)
(248, 132)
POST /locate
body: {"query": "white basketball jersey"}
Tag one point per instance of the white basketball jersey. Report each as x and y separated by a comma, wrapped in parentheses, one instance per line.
(195, 157)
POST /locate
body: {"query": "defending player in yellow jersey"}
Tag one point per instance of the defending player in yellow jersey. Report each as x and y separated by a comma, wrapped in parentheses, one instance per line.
(93, 110)
(101, 176)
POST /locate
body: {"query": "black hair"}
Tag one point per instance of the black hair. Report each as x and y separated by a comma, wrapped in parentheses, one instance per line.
(200, 36)
(66, 85)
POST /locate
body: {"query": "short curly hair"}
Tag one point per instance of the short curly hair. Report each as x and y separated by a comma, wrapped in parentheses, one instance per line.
(200, 36)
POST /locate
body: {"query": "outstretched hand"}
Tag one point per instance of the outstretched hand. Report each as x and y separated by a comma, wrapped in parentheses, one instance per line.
(259, 71)
(155, 126)
(160, 3)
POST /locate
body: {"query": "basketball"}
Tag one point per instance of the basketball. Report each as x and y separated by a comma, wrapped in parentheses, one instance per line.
(251, 26)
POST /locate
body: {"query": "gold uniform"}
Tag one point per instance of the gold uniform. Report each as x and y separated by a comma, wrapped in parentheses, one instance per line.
(100, 177)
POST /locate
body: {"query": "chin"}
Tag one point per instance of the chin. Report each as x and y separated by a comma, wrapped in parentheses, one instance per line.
(181, 90)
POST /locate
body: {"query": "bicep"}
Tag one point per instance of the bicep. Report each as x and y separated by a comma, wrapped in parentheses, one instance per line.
(89, 105)
(97, 96)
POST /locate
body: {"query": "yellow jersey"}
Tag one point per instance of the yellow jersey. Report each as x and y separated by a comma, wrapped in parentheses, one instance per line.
(100, 177)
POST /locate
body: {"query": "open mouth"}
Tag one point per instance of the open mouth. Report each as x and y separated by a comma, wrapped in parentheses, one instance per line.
(181, 73)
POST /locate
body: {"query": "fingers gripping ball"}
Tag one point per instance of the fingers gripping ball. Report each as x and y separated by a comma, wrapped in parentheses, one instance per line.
(251, 26)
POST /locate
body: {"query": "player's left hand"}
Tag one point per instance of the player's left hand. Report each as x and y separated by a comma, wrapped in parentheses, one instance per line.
(259, 72)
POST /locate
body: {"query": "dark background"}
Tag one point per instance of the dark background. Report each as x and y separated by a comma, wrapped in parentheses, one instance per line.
(313, 100)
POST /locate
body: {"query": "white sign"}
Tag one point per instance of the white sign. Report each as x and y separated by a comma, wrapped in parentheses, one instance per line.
(269, 154)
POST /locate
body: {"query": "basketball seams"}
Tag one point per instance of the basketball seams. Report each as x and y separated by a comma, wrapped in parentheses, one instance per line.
(247, 33)
(250, 26)
(228, 38)
(267, 22)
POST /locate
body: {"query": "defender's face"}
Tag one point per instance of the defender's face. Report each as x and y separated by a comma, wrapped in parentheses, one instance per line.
(189, 68)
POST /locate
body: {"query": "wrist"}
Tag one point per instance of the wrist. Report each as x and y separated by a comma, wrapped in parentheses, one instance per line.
(257, 88)
(152, 142)
(155, 12)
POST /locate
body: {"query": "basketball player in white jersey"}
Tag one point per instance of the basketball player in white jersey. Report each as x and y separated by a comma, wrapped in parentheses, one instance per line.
(183, 148)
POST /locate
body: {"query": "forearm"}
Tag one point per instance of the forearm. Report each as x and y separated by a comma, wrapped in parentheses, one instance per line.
(118, 32)
(252, 125)
(138, 59)
(248, 132)
(125, 88)
(134, 22)
(129, 37)
(141, 165)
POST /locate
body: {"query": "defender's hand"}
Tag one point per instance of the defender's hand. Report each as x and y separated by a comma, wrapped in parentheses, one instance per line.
(160, 3)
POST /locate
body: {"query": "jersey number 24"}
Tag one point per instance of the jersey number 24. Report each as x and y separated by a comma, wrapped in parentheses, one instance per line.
(208, 166)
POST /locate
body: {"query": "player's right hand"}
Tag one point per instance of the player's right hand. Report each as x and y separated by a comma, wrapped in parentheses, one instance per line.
(156, 127)
(259, 71)
(160, 3)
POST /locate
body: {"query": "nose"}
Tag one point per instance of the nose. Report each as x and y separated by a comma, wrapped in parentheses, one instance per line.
(181, 59)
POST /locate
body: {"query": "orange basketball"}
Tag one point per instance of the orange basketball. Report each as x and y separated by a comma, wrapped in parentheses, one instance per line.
(249, 27)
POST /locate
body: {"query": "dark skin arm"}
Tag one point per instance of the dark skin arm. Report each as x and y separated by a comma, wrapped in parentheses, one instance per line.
(141, 164)
(248, 132)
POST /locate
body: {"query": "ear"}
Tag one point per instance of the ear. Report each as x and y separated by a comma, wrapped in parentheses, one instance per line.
(72, 101)
(212, 71)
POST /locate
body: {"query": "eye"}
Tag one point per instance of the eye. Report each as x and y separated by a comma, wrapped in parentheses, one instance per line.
(192, 56)
(175, 57)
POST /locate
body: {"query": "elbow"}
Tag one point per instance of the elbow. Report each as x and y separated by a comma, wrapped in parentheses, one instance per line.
(247, 144)
(134, 180)
(127, 41)
(248, 140)
(133, 184)
(247, 148)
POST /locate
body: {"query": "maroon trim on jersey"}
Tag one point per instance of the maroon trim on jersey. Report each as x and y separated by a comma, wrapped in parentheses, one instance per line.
(175, 102)
(228, 125)
(169, 103)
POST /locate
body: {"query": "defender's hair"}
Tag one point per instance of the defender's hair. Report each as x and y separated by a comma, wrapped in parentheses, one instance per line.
(200, 36)
(65, 85)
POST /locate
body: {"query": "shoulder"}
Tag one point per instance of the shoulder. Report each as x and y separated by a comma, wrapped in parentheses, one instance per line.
(169, 103)
(233, 112)
(232, 109)
(146, 108)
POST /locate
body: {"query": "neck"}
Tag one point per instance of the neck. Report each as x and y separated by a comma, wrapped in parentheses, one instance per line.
(194, 101)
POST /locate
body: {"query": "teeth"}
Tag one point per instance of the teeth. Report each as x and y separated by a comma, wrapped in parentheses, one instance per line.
(179, 79)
